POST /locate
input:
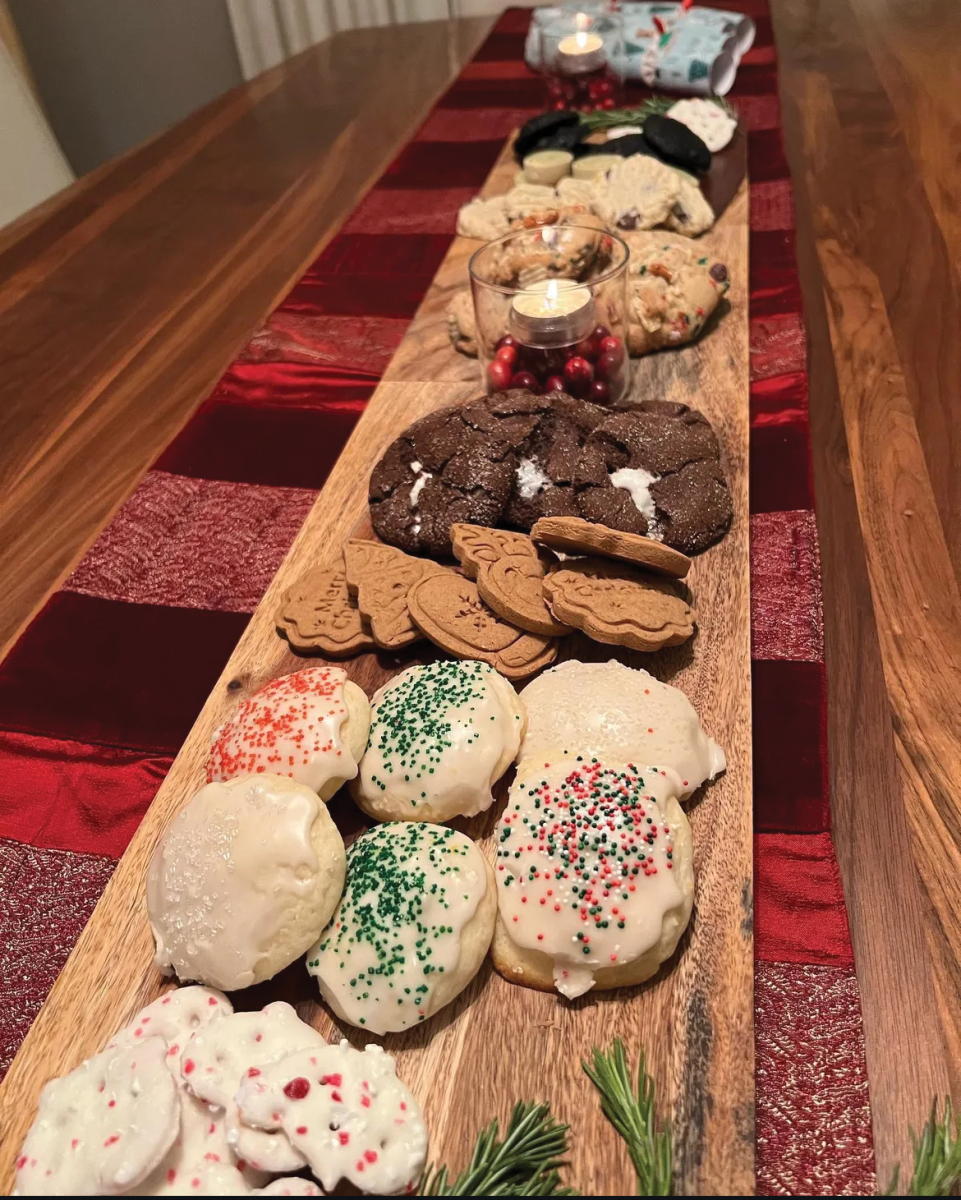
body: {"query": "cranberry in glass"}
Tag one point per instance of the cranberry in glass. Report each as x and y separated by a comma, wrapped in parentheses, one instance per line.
(599, 392)
(554, 383)
(609, 367)
(524, 379)
(499, 374)
(613, 346)
(578, 373)
(600, 333)
(506, 340)
(586, 349)
(507, 354)
(607, 103)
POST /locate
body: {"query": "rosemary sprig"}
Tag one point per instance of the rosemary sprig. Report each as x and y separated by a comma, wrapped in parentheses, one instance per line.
(633, 1113)
(637, 116)
(525, 1163)
(937, 1156)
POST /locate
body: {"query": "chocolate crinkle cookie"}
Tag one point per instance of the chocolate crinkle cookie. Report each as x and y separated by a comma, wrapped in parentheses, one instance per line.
(454, 465)
(655, 470)
(547, 460)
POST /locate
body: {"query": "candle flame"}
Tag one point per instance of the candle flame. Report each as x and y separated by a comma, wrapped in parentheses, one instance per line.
(550, 294)
(582, 22)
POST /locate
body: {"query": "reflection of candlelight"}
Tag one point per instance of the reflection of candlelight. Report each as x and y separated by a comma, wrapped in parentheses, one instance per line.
(580, 52)
(552, 313)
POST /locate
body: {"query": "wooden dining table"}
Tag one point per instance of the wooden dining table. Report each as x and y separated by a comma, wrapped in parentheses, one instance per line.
(123, 299)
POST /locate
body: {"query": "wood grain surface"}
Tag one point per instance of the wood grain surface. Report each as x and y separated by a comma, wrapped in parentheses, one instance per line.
(123, 299)
(869, 92)
(498, 1043)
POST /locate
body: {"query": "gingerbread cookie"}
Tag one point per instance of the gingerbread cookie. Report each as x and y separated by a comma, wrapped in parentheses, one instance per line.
(456, 464)
(617, 605)
(477, 546)
(673, 285)
(513, 586)
(655, 471)
(380, 577)
(574, 535)
(449, 610)
(318, 616)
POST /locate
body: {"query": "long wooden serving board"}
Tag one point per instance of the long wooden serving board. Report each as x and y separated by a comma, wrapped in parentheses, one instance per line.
(499, 1043)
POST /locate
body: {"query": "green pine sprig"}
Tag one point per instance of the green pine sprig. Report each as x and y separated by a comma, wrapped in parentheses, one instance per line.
(525, 1163)
(937, 1156)
(632, 1110)
(637, 116)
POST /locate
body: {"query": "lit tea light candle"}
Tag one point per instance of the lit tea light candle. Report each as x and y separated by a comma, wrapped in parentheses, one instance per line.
(553, 312)
(580, 52)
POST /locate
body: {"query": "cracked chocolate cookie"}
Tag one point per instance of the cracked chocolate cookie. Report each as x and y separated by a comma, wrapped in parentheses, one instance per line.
(656, 471)
(456, 464)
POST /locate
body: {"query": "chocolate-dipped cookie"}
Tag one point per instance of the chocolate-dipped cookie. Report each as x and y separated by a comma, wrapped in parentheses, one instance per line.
(675, 143)
(456, 464)
(656, 471)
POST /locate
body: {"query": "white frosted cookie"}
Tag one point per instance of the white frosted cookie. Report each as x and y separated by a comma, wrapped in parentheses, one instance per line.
(346, 1111)
(412, 929)
(103, 1128)
(712, 124)
(311, 725)
(441, 735)
(636, 194)
(244, 880)
(175, 1016)
(595, 879)
(289, 1187)
(219, 1056)
(483, 219)
(529, 198)
(620, 715)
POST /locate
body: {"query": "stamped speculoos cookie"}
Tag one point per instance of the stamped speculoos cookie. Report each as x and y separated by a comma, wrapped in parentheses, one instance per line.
(476, 546)
(317, 615)
(380, 577)
(574, 535)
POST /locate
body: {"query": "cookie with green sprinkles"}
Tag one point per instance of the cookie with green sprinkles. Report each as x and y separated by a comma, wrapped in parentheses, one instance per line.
(411, 930)
(441, 736)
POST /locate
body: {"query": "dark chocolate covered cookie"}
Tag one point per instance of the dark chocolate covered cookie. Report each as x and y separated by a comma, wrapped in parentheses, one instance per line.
(675, 143)
(656, 471)
(456, 464)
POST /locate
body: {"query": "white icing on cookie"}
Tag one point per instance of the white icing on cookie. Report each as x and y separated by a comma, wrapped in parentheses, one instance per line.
(292, 726)
(235, 875)
(347, 1113)
(712, 124)
(175, 1016)
(419, 485)
(218, 1057)
(618, 714)
(585, 872)
(638, 482)
(104, 1127)
(530, 479)
(289, 1187)
(396, 935)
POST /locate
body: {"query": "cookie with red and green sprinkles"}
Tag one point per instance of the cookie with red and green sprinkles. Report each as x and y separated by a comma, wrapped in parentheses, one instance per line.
(594, 875)
(441, 735)
(411, 930)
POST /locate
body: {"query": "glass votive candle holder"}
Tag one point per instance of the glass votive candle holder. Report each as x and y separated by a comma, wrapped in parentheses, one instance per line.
(578, 53)
(550, 305)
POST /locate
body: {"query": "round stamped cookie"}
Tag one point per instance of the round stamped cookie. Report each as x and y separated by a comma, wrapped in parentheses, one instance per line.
(514, 588)
(594, 873)
(577, 536)
(346, 1111)
(411, 930)
(441, 736)
(477, 546)
(311, 726)
(617, 714)
(218, 1057)
(244, 880)
(104, 1127)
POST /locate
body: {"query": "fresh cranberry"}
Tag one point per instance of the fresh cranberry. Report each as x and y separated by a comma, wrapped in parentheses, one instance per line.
(559, 105)
(585, 349)
(499, 374)
(554, 383)
(613, 346)
(599, 392)
(600, 333)
(608, 367)
(578, 373)
(524, 379)
(507, 354)
(507, 340)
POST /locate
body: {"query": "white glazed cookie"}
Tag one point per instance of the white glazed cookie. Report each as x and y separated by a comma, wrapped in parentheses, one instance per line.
(103, 1128)
(595, 877)
(346, 1111)
(412, 929)
(289, 1187)
(175, 1016)
(244, 880)
(311, 725)
(441, 735)
(690, 213)
(529, 198)
(619, 715)
(712, 124)
(636, 194)
(484, 219)
(220, 1055)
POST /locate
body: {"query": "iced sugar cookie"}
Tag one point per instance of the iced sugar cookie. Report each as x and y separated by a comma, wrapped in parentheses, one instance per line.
(713, 124)
(595, 880)
(412, 929)
(311, 725)
(244, 880)
(441, 735)
(104, 1127)
(219, 1056)
(346, 1111)
(620, 715)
